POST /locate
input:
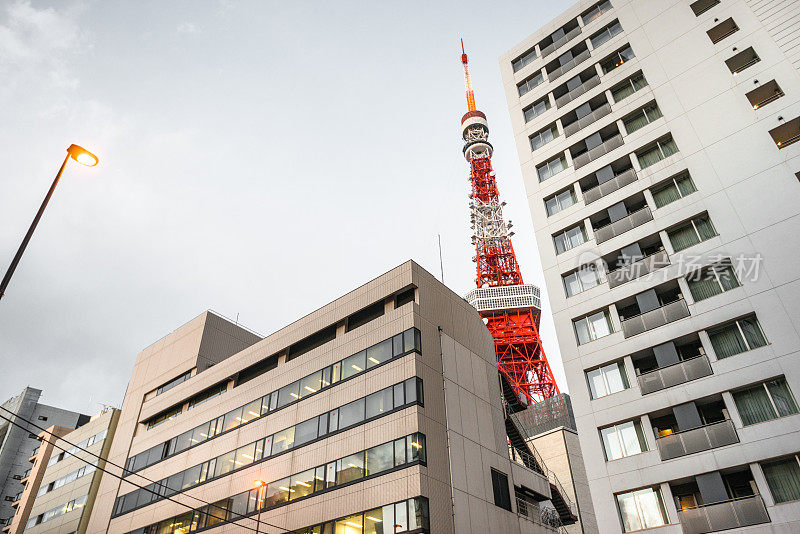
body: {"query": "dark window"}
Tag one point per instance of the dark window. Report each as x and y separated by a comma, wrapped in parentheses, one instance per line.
(257, 369)
(174, 382)
(764, 94)
(364, 316)
(722, 30)
(502, 496)
(404, 297)
(311, 342)
(701, 6)
(42, 418)
(787, 133)
(742, 60)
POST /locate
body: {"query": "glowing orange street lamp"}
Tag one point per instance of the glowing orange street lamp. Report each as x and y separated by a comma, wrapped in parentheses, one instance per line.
(82, 156)
(260, 485)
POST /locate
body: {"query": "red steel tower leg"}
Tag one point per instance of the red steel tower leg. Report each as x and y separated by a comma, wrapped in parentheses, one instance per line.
(510, 308)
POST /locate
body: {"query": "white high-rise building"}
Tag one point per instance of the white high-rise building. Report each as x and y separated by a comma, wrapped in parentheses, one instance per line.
(657, 140)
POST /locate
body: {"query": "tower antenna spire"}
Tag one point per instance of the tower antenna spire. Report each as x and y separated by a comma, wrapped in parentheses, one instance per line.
(510, 308)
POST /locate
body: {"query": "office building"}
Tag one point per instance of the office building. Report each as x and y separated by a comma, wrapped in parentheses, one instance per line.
(17, 445)
(63, 480)
(379, 412)
(658, 146)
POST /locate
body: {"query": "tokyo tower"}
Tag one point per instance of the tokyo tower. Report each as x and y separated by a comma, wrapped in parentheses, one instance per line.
(510, 308)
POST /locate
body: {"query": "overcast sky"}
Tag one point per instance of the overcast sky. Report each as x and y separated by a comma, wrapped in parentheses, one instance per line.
(256, 158)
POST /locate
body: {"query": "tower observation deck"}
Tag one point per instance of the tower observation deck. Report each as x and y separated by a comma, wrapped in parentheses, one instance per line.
(510, 308)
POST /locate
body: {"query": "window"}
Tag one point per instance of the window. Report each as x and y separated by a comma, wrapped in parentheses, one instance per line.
(623, 439)
(584, 278)
(560, 201)
(350, 468)
(543, 137)
(737, 337)
(606, 34)
(174, 382)
(701, 6)
(763, 95)
(628, 87)
(593, 327)
(663, 148)
(552, 167)
(524, 60)
(529, 84)
(764, 402)
(706, 283)
(742, 60)
(673, 189)
(722, 30)
(608, 379)
(362, 317)
(570, 239)
(536, 109)
(402, 298)
(642, 509)
(595, 12)
(783, 478)
(785, 134)
(352, 413)
(642, 118)
(354, 365)
(42, 418)
(502, 496)
(692, 232)
(617, 59)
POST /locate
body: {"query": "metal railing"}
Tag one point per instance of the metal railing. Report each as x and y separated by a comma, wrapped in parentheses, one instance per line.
(35, 451)
(643, 322)
(569, 65)
(546, 517)
(583, 122)
(735, 513)
(606, 188)
(561, 41)
(638, 268)
(600, 150)
(672, 375)
(698, 439)
(565, 99)
(629, 222)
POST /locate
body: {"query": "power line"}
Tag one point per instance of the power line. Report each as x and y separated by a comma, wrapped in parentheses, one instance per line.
(120, 477)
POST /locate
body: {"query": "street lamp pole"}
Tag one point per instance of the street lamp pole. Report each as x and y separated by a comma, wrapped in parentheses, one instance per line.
(78, 154)
(260, 484)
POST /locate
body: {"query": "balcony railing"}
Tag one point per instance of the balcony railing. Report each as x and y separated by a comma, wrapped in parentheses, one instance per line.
(638, 268)
(546, 517)
(672, 375)
(569, 65)
(629, 222)
(565, 99)
(558, 43)
(654, 318)
(606, 188)
(697, 439)
(583, 122)
(724, 515)
(600, 150)
(34, 452)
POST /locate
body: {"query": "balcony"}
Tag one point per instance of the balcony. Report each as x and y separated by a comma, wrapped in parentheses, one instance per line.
(607, 145)
(561, 41)
(637, 269)
(545, 517)
(634, 219)
(606, 188)
(583, 122)
(662, 315)
(672, 375)
(734, 513)
(569, 65)
(697, 439)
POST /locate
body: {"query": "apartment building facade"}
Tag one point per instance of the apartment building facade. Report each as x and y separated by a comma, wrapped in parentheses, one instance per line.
(61, 485)
(18, 445)
(657, 140)
(379, 412)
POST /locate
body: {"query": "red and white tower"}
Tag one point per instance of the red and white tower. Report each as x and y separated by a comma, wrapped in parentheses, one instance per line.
(510, 308)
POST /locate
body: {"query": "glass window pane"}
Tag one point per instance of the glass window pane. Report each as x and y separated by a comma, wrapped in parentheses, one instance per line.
(411, 390)
(754, 405)
(783, 478)
(377, 354)
(301, 484)
(397, 345)
(571, 284)
(277, 492)
(415, 447)
(306, 431)
(374, 522)
(310, 384)
(686, 185)
(632, 439)
(727, 341)
(629, 513)
(191, 477)
(337, 372)
(782, 397)
(232, 419)
(588, 277)
(330, 474)
(652, 508)
(245, 455)
(666, 195)
(350, 468)
(582, 331)
(333, 420)
(401, 516)
(380, 458)
(727, 277)
(400, 451)
(599, 325)
(379, 402)
(353, 524)
(251, 411)
(288, 393)
(183, 441)
(399, 395)
(354, 364)
(705, 228)
(611, 443)
(225, 463)
(259, 450)
(201, 433)
(408, 340)
(283, 440)
(752, 332)
(352, 413)
(615, 377)
(683, 237)
(597, 386)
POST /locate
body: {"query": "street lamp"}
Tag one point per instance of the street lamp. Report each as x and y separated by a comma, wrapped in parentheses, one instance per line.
(82, 156)
(260, 485)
